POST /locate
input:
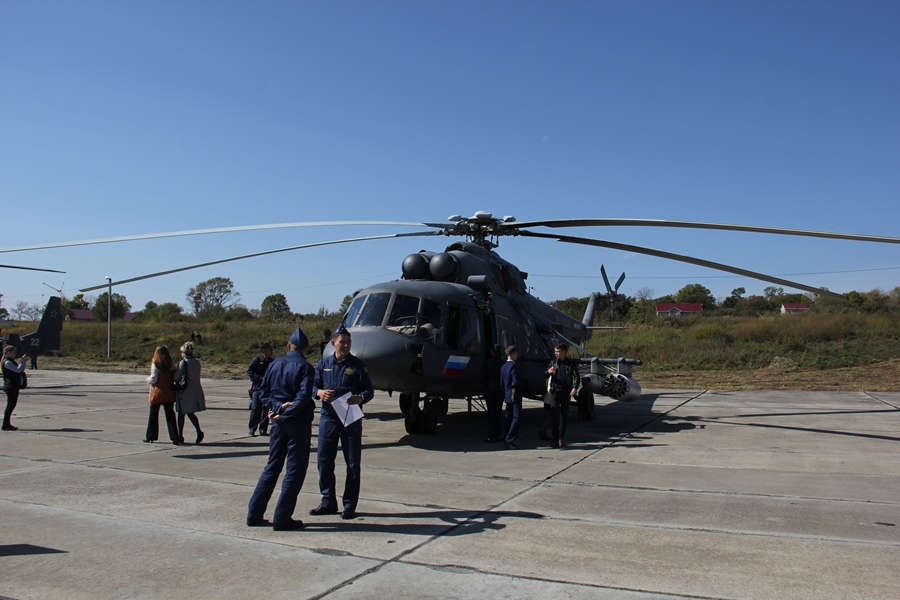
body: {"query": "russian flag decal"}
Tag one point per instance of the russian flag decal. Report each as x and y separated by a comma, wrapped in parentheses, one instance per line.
(456, 365)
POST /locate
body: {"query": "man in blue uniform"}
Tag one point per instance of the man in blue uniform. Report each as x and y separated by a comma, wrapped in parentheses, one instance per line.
(286, 392)
(337, 375)
(512, 387)
(259, 416)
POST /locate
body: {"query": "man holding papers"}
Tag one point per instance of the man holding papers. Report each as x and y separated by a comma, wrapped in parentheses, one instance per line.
(342, 383)
(286, 392)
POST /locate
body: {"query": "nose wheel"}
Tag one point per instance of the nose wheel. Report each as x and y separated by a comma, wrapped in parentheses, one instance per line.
(416, 420)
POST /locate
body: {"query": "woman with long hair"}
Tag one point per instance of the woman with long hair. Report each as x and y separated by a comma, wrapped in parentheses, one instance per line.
(162, 393)
(189, 399)
(13, 374)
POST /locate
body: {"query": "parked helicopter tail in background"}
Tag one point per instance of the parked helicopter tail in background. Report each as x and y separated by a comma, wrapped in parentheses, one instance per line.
(47, 336)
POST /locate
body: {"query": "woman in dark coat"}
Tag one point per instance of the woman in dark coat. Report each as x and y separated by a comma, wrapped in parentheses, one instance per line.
(162, 393)
(13, 374)
(190, 400)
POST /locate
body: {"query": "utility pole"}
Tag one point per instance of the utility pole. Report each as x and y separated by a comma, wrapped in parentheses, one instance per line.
(109, 317)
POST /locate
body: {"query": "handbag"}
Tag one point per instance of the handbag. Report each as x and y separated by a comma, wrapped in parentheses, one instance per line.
(181, 384)
(23, 382)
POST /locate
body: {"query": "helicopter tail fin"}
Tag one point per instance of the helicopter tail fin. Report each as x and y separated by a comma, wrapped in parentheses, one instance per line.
(588, 319)
(47, 336)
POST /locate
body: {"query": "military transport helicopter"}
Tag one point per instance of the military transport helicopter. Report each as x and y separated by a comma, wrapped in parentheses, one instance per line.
(426, 335)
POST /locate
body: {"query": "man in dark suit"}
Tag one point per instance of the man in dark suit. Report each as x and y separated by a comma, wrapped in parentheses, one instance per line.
(512, 387)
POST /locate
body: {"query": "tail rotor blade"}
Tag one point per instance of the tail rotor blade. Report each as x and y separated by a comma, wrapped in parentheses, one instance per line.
(605, 279)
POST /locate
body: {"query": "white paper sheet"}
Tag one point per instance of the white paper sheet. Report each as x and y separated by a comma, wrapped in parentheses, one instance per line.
(347, 413)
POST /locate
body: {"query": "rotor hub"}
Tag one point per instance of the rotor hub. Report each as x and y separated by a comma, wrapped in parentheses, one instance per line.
(482, 228)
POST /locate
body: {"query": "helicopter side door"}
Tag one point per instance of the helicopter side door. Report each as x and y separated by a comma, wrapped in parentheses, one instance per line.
(454, 367)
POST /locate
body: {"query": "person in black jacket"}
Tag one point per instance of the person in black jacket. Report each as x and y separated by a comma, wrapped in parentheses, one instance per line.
(13, 374)
(562, 387)
(257, 369)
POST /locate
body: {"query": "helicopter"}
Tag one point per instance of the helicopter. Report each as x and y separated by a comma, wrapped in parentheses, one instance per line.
(427, 334)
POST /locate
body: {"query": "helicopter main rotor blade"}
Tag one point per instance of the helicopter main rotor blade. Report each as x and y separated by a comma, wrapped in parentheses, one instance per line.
(30, 269)
(680, 258)
(255, 254)
(153, 236)
(700, 225)
(619, 281)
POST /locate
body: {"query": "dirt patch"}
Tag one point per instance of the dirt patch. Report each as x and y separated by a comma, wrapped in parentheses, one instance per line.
(782, 374)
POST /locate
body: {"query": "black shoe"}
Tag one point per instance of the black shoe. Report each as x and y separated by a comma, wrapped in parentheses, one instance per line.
(199, 437)
(145, 441)
(554, 444)
(257, 522)
(543, 436)
(511, 446)
(290, 525)
(10, 428)
(261, 432)
(175, 442)
(253, 432)
(323, 510)
(348, 514)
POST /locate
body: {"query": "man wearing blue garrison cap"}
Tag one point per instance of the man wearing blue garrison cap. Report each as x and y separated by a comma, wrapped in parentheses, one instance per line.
(286, 392)
(337, 375)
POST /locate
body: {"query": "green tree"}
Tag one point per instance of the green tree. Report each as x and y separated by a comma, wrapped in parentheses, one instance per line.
(734, 299)
(79, 301)
(160, 313)
(696, 293)
(275, 308)
(213, 297)
(345, 304)
(238, 312)
(120, 306)
(4, 314)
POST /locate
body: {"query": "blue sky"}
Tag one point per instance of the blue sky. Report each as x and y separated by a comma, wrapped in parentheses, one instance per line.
(124, 118)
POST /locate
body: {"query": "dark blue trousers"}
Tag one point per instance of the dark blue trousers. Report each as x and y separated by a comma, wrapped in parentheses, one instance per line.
(332, 431)
(494, 405)
(288, 444)
(259, 414)
(513, 420)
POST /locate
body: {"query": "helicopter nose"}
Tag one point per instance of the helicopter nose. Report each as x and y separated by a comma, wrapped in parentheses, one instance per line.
(389, 358)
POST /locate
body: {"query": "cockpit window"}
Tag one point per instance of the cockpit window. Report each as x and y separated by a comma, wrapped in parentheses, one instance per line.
(403, 314)
(432, 319)
(353, 311)
(373, 312)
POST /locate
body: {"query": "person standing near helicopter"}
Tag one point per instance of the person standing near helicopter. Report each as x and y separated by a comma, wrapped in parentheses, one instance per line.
(562, 386)
(259, 415)
(512, 387)
(338, 375)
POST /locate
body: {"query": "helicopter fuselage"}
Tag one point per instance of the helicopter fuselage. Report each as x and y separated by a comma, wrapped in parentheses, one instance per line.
(430, 332)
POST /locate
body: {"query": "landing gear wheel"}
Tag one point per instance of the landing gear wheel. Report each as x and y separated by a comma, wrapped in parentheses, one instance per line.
(405, 403)
(413, 420)
(412, 413)
(428, 424)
